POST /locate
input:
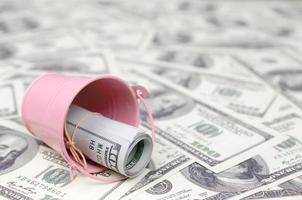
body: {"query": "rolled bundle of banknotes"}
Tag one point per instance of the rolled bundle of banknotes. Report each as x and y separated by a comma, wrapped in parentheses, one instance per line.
(115, 145)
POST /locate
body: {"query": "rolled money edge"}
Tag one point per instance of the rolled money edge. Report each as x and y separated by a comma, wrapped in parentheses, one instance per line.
(138, 155)
(135, 145)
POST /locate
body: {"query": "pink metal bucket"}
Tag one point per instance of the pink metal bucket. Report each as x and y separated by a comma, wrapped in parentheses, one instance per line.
(48, 98)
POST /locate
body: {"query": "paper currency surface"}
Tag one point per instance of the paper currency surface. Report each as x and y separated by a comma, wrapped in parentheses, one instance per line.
(225, 82)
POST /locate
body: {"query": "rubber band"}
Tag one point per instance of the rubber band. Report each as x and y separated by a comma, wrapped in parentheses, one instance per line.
(79, 156)
(69, 141)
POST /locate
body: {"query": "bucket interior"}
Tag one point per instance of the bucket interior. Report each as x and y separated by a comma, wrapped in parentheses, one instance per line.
(110, 97)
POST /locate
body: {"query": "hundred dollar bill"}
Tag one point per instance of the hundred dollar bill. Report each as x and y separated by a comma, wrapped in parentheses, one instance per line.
(235, 94)
(100, 32)
(209, 133)
(269, 168)
(71, 62)
(287, 160)
(50, 180)
(291, 125)
(25, 23)
(210, 61)
(249, 27)
(99, 139)
(184, 79)
(40, 43)
(277, 68)
(74, 62)
(178, 35)
(166, 160)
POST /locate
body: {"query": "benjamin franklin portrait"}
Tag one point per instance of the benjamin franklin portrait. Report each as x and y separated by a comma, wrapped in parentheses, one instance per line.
(165, 37)
(29, 23)
(187, 58)
(185, 79)
(239, 178)
(6, 52)
(167, 104)
(286, 79)
(16, 149)
(18, 24)
(60, 65)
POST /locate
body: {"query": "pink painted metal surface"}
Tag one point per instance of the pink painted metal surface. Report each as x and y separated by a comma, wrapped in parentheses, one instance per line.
(48, 98)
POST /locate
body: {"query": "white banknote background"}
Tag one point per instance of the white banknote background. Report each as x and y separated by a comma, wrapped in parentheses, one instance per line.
(225, 82)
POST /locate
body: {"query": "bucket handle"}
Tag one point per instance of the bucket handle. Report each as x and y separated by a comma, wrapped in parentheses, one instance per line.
(141, 93)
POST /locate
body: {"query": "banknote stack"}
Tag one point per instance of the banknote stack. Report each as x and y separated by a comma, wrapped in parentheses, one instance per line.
(226, 93)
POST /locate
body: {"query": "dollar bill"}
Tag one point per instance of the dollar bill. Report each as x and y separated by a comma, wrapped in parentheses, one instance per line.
(20, 154)
(278, 69)
(102, 36)
(210, 61)
(235, 94)
(127, 155)
(74, 62)
(269, 168)
(213, 70)
(248, 27)
(272, 176)
(41, 43)
(289, 124)
(74, 37)
(199, 128)
(166, 160)
(25, 22)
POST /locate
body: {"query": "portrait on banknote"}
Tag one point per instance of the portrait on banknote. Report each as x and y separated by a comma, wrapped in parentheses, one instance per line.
(242, 177)
(188, 80)
(18, 23)
(6, 52)
(181, 57)
(16, 150)
(71, 62)
(286, 79)
(58, 65)
(169, 105)
(165, 37)
(29, 23)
